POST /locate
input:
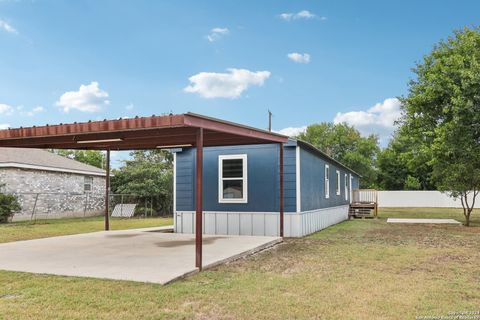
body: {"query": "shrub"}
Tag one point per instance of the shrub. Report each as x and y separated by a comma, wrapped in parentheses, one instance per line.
(8, 205)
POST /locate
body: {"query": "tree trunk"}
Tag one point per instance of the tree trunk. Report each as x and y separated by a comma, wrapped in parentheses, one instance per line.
(466, 209)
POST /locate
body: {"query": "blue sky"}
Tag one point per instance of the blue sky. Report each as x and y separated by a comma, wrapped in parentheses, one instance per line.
(307, 61)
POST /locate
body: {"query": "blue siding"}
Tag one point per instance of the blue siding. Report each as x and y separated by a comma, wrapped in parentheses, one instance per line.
(312, 171)
(185, 178)
(355, 182)
(263, 179)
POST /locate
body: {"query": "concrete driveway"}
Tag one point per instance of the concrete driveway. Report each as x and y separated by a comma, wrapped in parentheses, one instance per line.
(144, 255)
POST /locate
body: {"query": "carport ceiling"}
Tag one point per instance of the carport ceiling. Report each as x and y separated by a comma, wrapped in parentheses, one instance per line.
(137, 133)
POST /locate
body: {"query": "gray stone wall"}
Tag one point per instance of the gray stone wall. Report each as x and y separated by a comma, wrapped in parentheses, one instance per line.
(53, 194)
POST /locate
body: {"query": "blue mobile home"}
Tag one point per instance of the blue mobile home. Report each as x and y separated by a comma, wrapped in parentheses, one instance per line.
(241, 189)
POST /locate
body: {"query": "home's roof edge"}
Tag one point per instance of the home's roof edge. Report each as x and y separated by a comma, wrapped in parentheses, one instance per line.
(323, 154)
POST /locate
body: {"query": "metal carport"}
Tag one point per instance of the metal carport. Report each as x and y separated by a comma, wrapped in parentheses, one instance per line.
(139, 133)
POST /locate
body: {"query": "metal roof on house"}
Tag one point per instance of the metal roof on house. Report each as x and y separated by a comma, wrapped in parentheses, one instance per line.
(38, 159)
(319, 152)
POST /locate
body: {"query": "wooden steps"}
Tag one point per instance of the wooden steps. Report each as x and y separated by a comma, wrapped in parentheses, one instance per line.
(364, 204)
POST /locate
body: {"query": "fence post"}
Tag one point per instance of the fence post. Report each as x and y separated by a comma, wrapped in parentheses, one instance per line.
(151, 208)
(34, 207)
(121, 206)
(86, 204)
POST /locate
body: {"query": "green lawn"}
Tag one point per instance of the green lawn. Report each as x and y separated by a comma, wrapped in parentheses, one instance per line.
(440, 213)
(360, 269)
(59, 227)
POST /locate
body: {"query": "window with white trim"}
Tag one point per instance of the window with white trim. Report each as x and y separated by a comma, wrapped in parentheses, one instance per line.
(327, 181)
(232, 178)
(87, 184)
(346, 186)
(338, 187)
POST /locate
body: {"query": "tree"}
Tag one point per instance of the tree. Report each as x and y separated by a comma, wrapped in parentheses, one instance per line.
(149, 175)
(402, 166)
(442, 113)
(392, 166)
(91, 157)
(8, 205)
(345, 144)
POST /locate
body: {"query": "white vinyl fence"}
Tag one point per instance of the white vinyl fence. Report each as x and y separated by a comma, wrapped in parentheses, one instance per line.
(419, 199)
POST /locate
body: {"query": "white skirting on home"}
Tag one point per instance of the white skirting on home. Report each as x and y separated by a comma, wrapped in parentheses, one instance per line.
(261, 223)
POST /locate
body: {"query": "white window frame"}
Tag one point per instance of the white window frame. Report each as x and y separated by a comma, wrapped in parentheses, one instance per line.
(244, 178)
(85, 184)
(327, 181)
(346, 187)
(338, 186)
(350, 186)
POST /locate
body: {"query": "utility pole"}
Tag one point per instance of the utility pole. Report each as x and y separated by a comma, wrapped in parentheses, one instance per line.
(270, 120)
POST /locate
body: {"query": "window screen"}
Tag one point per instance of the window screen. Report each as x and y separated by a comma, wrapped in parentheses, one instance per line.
(233, 178)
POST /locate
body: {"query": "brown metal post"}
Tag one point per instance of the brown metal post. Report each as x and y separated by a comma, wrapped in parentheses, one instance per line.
(198, 200)
(281, 191)
(107, 192)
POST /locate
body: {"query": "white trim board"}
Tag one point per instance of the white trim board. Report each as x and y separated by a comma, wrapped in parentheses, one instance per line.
(297, 180)
(327, 181)
(244, 178)
(52, 169)
(174, 189)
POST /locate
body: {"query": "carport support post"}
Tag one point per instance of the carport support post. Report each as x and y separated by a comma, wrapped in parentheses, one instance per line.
(107, 191)
(281, 191)
(198, 200)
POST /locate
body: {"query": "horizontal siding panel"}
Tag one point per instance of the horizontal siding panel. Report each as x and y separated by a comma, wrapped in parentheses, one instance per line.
(263, 178)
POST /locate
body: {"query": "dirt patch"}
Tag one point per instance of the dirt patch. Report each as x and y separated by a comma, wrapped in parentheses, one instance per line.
(431, 236)
(10, 296)
(448, 258)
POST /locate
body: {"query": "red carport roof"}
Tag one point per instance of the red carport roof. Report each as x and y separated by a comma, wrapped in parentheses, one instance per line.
(137, 133)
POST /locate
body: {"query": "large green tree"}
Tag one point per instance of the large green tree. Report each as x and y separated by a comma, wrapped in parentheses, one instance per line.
(403, 166)
(91, 157)
(442, 113)
(345, 144)
(148, 175)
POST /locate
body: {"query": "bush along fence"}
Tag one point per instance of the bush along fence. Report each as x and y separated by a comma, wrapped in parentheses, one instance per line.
(8, 205)
(38, 206)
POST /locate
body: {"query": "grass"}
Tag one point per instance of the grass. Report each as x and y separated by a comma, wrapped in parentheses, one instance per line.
(436, 213)
(360, 269)
(60, 227)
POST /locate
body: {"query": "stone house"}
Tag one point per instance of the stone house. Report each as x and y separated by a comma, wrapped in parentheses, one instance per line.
(51, 186)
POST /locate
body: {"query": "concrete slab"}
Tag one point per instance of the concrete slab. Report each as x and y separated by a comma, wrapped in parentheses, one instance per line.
(144, 255)
(426, 221)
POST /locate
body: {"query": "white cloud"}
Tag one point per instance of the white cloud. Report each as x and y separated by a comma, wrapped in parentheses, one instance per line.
(304, 14)
(4, 126)
(217, 33)
(299, 57)
(129, 107)
(34, 111)
(89, 98)
(6, 109)
(7, 27)
(379, 119)
(292, 131)
(225, 85)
